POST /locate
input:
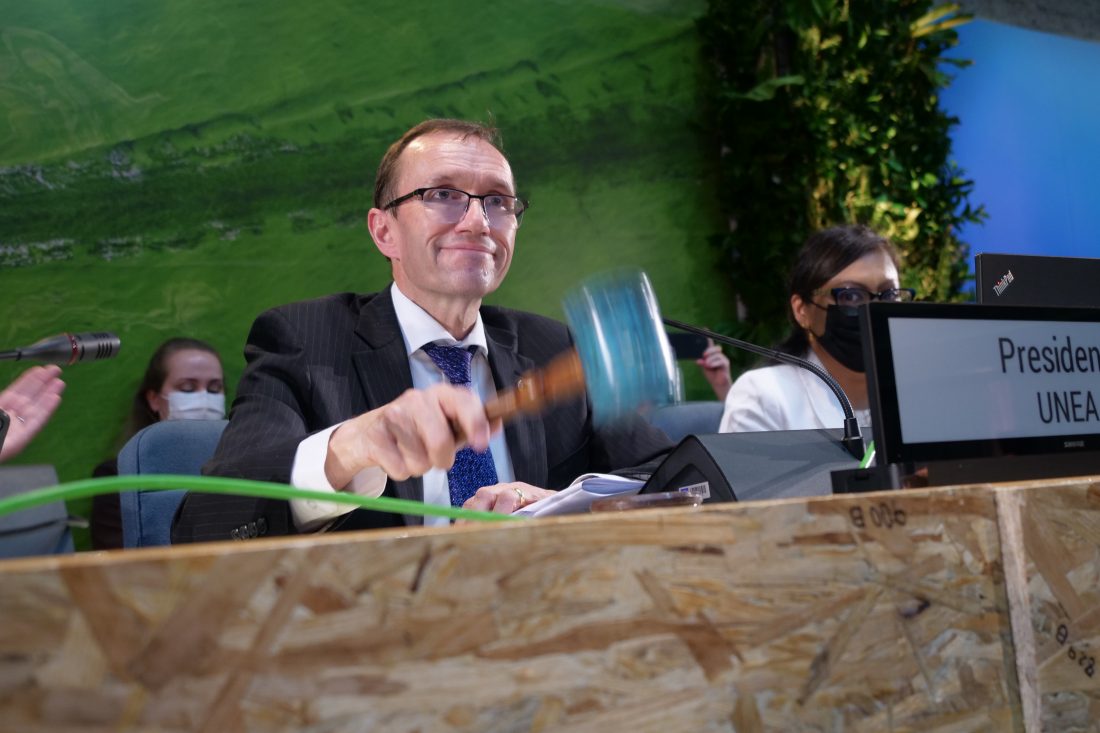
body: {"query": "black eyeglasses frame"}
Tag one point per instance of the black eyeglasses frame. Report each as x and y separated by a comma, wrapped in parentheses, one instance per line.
(521, 204)
(873, 296)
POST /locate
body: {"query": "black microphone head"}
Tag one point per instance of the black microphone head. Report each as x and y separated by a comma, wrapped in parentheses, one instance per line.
(69, 348)
(96, 346)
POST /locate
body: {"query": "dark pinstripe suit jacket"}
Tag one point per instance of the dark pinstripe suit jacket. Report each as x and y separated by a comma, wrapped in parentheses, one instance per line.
(316, 363)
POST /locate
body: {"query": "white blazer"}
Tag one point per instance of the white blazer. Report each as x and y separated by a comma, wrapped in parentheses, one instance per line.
(783, 397)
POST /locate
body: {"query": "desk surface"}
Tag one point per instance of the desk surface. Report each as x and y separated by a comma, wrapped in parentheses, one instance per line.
(955, 609)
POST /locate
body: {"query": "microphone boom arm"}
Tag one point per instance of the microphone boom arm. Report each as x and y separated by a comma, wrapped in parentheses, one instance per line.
(852, 440)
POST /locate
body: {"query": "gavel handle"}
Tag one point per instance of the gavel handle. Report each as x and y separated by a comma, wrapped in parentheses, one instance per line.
(561, 379)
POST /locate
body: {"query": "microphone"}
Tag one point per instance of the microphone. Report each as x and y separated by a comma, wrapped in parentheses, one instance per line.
(852, 440)
(67, 349)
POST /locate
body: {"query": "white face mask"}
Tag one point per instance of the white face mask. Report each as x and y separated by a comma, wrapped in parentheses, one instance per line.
(195, 405)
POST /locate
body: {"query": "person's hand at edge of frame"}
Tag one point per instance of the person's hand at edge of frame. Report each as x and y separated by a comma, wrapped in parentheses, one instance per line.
(29, 401)
(716, 369)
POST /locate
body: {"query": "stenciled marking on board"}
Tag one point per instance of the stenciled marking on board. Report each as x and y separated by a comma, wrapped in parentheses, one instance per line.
(885, 514)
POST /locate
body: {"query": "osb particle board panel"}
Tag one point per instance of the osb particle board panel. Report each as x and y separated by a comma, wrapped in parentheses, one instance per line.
(1057, 606)
(873, 613)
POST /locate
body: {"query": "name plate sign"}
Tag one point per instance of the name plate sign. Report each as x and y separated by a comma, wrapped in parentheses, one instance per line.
(954, 381)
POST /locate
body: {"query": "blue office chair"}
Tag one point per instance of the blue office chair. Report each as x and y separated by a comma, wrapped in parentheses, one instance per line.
(682, 419)
(172, 446)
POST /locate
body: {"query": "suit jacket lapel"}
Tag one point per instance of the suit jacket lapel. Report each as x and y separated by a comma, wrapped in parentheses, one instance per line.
(525, 436)
(383, 369)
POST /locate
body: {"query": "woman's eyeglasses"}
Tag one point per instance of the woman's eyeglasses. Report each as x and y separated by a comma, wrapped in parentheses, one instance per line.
(853, 296)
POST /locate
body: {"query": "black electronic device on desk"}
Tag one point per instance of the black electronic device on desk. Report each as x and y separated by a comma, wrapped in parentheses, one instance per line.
(776, 464)
(1008, 279)
(977, 393)
(767, 464)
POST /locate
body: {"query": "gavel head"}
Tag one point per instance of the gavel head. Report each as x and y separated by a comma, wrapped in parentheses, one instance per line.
(627, 361)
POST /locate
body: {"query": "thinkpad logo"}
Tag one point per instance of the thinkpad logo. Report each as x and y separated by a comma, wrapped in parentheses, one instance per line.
(1003, 283)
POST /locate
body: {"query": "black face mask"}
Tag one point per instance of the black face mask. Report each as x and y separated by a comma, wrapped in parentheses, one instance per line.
(841, 338)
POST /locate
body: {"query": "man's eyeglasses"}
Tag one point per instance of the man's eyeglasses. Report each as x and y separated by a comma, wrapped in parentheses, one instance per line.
(501, 210)
(853, 296)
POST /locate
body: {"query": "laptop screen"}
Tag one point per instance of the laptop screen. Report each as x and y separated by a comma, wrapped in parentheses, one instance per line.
(1004, 279)
(952, 381)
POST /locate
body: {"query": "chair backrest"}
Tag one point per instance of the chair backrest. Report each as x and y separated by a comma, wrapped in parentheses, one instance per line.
(40, 530)
(172, 446)
(687, 418)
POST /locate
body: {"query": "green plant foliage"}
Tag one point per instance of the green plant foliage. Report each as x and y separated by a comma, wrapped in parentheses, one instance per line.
(829, 112)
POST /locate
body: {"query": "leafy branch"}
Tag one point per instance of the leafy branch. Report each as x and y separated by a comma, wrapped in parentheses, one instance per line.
(828, 113)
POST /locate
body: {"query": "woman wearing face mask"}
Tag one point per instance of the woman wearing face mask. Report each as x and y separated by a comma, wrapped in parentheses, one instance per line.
(837, 270)
(184, 381)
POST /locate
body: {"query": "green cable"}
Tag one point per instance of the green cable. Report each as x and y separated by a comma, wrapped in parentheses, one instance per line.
(868, 455)
(235, 487)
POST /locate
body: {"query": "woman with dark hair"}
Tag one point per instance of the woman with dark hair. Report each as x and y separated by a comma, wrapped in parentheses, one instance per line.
(183, 381)
(837, 270)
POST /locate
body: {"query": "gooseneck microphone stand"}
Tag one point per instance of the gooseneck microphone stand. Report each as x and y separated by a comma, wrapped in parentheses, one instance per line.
(852, 440)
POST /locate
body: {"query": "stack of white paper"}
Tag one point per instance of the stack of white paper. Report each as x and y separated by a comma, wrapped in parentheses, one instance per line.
(579, 496)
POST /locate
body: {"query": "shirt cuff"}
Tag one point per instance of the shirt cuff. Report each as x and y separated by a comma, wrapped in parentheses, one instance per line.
(308, 472)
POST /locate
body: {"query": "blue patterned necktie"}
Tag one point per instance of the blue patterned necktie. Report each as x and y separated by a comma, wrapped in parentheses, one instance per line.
(471, 470)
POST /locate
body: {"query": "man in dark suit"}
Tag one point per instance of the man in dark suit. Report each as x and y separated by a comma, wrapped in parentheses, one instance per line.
(362, 392)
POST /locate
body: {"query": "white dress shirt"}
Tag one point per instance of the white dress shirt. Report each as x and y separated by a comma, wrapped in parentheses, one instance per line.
(417, 328)
(783, 397)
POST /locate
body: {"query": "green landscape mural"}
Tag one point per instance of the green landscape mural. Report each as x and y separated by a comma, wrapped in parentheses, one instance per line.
(174, 168)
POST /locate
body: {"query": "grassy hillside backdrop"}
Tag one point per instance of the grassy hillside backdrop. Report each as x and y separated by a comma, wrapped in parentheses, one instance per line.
(175, 168)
